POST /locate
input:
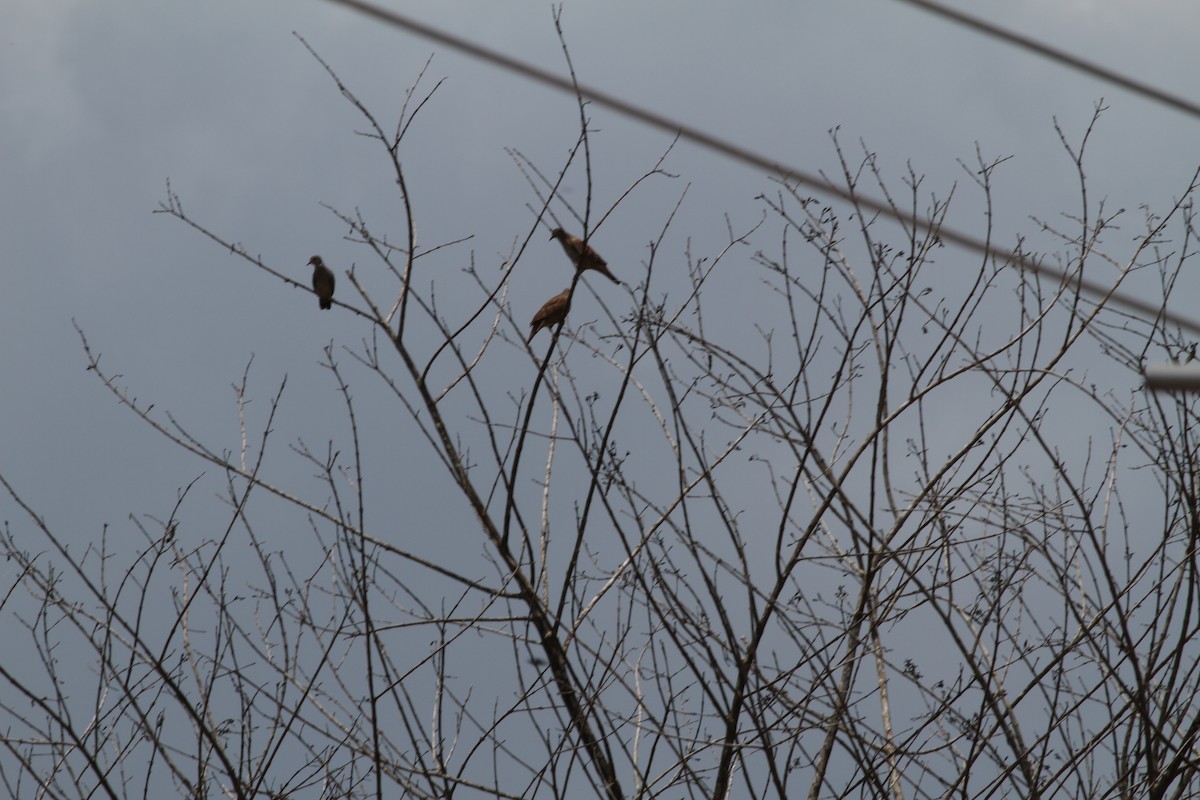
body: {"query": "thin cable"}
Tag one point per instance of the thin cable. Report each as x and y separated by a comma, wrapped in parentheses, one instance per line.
(1054, 54)
(1102, 292)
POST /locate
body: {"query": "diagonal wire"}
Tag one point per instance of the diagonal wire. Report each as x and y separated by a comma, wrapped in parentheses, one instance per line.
(1103, 292)
(1054, 54)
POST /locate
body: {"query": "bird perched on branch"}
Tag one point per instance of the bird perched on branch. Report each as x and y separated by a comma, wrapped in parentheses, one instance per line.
(323, 281)
(553, 312)
(582, 255)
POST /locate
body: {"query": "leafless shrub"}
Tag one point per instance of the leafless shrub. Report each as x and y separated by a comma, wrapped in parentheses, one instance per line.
(839, 514)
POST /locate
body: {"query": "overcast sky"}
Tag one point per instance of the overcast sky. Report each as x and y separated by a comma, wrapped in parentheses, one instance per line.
(102, 103)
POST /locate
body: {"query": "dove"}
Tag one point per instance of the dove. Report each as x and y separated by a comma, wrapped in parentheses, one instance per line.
(582, 255)
(322, 281)
(553, 312)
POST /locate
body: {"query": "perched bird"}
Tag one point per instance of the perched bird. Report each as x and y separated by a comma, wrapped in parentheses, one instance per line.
(582, 255)
(322, 282)
(553, 312)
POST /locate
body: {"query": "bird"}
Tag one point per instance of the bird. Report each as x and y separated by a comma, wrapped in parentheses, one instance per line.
(582, 255)
(553, 312)
(323, 281)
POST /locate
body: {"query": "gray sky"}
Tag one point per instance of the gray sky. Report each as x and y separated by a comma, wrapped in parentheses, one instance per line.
(101, 103)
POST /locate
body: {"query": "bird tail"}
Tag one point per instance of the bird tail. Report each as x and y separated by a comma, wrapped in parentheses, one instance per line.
(326, 302)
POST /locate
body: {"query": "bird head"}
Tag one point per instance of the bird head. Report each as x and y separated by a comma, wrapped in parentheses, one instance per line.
(557, 233)
(316, 261)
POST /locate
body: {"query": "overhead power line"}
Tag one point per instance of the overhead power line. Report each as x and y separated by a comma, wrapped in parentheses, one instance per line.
(1054, 54)
(1173, 377)
(1093, 288)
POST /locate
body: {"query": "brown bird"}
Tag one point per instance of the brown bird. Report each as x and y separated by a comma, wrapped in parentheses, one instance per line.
(323, 281)
(553, 312)
(582, 255)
